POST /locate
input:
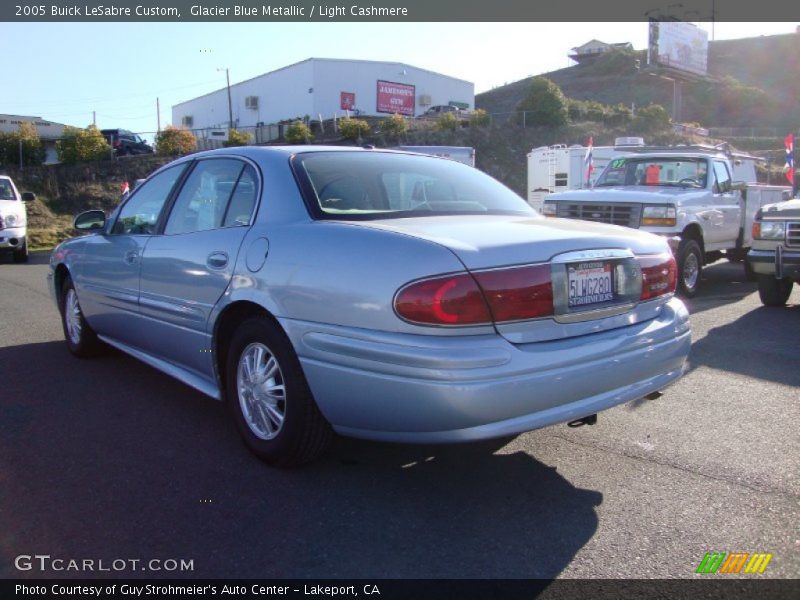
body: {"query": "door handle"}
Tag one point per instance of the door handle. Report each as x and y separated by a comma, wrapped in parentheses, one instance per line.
(217, 260)
(131, 256)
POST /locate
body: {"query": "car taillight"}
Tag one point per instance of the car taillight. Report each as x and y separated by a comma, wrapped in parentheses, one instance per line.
(449, 300)
(117, 143)
(518, 293)
(659, 276)
(511, 294)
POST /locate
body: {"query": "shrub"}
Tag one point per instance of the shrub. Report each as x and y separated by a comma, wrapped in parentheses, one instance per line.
(619, 115)
(394, 126)
(78, 145)
(237, 138)
(544, 105)
(651, 118)
(173, 141)
(33, 150)
(298, 133)
(479, 118)
(352, 129)
(447, 122)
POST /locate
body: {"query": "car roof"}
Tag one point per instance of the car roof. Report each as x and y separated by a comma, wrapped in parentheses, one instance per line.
(256, 151)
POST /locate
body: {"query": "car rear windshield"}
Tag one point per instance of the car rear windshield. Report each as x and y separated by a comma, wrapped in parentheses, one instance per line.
(678, 171)
(368, 185)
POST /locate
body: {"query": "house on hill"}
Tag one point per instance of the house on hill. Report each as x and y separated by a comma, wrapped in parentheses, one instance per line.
(594, 48)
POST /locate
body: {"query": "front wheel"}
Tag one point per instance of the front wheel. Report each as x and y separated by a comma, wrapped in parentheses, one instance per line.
(269, 397)
(774, 292)
(690, 262)
(81, 339)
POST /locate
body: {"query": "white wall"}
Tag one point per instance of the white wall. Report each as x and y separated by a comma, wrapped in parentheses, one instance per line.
(284, 94)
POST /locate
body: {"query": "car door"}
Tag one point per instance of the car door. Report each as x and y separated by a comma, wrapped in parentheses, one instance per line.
(187, 269)
(726, 202)
(107, 275)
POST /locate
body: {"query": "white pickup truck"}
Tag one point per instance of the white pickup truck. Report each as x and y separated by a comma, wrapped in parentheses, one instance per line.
(13, 220)
(686, 195)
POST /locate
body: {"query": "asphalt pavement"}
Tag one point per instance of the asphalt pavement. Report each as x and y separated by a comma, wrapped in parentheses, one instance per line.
(108, 459)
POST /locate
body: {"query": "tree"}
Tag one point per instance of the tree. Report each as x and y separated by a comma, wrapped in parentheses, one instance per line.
(651, 119)
(78, 145)
(447, 122)
(394, 126)
(237, 138)
(352, 129)
(25, 139)
(173, 141)
(544, 105)
(298, 133)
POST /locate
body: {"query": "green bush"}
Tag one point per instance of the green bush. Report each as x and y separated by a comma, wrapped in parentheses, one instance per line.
(237, 138)
(352, 129)
(479, 118)
(33, 150)
(77, 145)
(619, 115)
(173, 141)
(651, 119)
(394, 126)
(298, 133)
(447, 122)
(545, 104)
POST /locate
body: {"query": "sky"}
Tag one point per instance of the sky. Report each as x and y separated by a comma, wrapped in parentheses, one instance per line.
(64, 71)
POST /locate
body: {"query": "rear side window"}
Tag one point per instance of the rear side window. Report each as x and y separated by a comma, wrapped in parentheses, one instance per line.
(203, 201)
(139, 215)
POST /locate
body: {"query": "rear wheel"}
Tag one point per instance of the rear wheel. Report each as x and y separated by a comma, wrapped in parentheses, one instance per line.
(269, 397)
(774, 292)
(690, 262)
(81, 339)
(21, 253)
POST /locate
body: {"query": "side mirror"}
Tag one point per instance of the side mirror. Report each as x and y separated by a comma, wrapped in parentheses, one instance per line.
(91, 220)
(28, 196)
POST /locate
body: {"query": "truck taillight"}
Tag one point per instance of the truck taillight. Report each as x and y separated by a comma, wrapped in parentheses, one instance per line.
(659, 276)
(499, 295)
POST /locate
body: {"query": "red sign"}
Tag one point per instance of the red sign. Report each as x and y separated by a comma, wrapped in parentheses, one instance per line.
(396, 98)
(347, 100)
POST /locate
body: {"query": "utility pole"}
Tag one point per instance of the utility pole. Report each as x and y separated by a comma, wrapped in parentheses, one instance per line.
(230, 108)
(94, 118)
(158, 116)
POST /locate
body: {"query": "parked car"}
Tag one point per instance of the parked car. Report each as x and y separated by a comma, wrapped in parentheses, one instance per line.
(126, 142)
(775, 255)
(440, 109)
(13, 220)
(381, 295)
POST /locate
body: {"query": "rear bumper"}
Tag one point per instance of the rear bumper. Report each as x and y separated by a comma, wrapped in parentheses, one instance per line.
(780, 262)
(425, 389)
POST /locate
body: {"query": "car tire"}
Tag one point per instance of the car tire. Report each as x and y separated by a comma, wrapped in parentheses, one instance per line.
(21, 254)
(749, 273)
(81, 339)
(690, 261)
(277, 416)
(774, 292)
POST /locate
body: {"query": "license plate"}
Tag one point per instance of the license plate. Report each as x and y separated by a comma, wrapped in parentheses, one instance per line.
(590, 283)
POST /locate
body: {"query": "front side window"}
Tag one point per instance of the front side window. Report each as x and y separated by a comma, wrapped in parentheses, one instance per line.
(203, 201)
(139, 215)
(367, 185)
(6, 191)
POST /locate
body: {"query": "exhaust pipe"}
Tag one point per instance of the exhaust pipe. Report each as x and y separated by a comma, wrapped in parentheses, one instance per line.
(590, 420)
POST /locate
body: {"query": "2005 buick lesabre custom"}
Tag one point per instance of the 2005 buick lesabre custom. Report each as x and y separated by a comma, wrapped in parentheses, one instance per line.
(381, 295)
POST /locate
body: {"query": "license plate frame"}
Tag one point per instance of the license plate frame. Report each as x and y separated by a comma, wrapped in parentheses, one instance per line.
(590, 283)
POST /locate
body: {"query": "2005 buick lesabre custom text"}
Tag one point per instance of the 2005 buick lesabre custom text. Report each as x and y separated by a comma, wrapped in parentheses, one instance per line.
(377, 294)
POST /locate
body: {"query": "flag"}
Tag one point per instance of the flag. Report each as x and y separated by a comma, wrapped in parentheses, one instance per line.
(588, 165)
(789, 168)
(124, 188)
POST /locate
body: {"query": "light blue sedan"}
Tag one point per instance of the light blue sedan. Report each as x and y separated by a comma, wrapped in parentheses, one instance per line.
(376, 294)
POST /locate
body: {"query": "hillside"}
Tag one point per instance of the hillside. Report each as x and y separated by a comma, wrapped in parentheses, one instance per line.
(754, 82)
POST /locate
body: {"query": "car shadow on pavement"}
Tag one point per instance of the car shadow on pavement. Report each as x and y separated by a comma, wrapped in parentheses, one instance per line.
(761, 343)
(721, 283)
(35, 257)
(108, 458)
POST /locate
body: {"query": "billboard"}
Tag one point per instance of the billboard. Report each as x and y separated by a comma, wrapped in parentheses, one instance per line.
(347, 100)
(678, 45)
(396, 98)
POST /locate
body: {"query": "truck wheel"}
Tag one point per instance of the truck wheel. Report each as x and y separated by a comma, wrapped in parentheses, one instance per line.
(269, 397)
(21, 253)
(690, 261)
(774, 292)
(749, 273)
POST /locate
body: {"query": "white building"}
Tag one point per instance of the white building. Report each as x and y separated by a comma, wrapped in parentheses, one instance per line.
(49, 132)
(325, 87)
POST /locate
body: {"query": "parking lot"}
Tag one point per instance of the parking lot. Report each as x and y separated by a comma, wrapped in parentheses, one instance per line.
(110, 459)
